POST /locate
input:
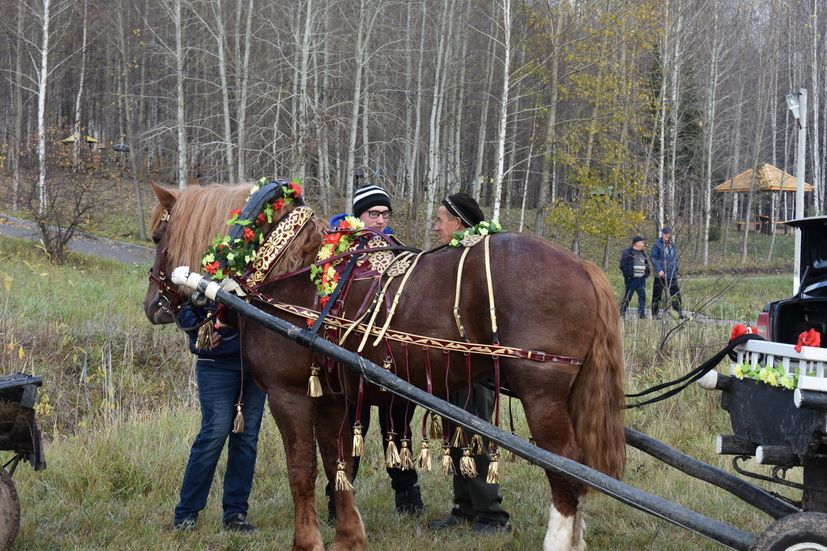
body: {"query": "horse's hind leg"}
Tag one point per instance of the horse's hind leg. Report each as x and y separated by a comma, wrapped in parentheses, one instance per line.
(294, 415)
(350, 532)
(548, 419)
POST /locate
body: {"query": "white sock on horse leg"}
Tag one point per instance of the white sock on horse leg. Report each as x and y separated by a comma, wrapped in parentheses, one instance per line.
(561, 535)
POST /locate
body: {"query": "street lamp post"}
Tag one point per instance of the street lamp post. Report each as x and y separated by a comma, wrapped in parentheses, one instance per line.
(797, 103)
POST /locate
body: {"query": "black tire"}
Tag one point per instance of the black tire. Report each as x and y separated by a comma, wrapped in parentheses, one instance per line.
(799, 532)
(9, 511)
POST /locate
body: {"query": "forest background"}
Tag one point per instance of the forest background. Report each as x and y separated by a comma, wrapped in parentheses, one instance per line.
(582, 120)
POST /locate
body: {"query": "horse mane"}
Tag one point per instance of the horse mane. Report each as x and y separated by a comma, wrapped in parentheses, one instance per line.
(199, 214)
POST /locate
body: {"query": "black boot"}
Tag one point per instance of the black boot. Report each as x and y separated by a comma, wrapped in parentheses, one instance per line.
(331, 511)
(410, 501)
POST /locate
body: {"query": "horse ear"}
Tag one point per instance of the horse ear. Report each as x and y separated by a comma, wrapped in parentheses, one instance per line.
(165, 196)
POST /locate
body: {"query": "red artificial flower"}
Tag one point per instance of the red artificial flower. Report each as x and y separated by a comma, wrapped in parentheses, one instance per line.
(222, 246)
(249, 235)
(810, 337)
(235, 212)
(344, 225)
(332, 238)
(297, 189)
(739, 330)
(212, 267)
(260, 219)
(323, 301)
(278, 204)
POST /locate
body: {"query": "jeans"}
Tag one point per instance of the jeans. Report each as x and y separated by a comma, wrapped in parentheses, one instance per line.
(218, 391)
(634, 285)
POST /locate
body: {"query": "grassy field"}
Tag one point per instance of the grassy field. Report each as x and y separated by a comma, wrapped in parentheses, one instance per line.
(119, 412)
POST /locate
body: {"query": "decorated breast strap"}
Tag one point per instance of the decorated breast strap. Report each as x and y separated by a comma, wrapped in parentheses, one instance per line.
(429, 342)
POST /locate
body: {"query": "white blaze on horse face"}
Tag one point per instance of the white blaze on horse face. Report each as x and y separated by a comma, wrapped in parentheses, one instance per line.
(560, 534)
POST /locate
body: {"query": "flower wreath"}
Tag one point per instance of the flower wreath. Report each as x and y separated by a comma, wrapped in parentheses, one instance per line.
(227, 258)
(482, 229)
(336, 241)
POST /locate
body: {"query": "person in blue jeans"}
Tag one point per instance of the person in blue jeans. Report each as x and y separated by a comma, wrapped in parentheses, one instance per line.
(666, 265)
(635, 268)
(223, 382)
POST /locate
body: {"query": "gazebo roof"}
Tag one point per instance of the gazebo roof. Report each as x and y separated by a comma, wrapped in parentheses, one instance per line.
(768, 178)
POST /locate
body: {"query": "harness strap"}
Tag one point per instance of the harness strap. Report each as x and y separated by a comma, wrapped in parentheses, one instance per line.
(378, 304)
(430, 342)
(457, 317)
(338, 290)
(396, 300)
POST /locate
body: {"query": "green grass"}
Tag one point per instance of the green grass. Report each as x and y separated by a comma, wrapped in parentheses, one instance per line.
(122, 413)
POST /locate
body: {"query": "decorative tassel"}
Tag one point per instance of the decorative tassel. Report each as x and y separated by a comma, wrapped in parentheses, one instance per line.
(476, 445)
(238, 423)
(447, 461)
(423, 462)
(204, 339)
(387, 365)
(342, 483)
(436, 427)
(459, 438)
(392, 459)
(314, 386)
(358, 441)
(467, 467)
(406, 462)
(494, 469)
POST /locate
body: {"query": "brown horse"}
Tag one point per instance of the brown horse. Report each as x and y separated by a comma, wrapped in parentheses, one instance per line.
(546, 299)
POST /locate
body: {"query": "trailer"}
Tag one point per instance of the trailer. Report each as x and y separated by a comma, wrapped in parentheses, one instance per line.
(18, 434)
(797, 526)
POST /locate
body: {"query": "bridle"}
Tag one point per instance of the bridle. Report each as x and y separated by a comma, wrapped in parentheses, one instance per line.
(169, 297)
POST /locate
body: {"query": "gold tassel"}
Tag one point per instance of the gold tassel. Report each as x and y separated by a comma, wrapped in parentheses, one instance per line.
(392, 459)
(436, 427)
(447, 461)
(314, 386)
(476, 445)
(358, 441)
(467, 467)
(459, 437)
(405, 458)
(204, 339)
(423, 462)
(238, 423)
(342, 483)
(494, 469)
(387, 364)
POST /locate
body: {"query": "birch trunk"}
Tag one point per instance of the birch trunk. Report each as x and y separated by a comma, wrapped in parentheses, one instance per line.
(180, 108)
(433, 140)
(79, 95)
(14, 154)
(662, 121)
(674, 98)
(242, 102)
(818, 185)
(551, 129)
(709, 130)
(483, 120)
(130, 127)
(501, 136)
(221, 41)
(413, 157)
(42, 78)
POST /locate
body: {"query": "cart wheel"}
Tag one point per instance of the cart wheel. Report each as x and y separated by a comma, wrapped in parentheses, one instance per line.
(799, 532)
(9, 510)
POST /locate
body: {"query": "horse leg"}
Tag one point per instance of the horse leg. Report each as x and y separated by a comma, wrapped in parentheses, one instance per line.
(350, 532)
(546, 409)
(294, 414)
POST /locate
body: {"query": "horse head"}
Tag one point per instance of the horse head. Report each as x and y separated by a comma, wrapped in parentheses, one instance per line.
(161, 297)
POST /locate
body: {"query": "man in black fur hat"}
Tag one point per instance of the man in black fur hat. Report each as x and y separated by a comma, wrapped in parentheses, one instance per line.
(476, 502)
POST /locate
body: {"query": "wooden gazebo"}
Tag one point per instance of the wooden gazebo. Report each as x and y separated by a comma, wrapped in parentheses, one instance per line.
(766, 179)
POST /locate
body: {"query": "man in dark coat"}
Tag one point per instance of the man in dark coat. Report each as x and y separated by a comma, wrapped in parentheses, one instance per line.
(666, 266)
(635, 268)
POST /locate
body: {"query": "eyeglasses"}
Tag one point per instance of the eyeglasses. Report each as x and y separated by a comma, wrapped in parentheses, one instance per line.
(374, 214)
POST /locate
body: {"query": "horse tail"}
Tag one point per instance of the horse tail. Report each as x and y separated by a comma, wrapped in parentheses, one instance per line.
(596, 399)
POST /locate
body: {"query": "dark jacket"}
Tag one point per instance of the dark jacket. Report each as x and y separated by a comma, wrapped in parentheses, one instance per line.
(665, 258)
(627, 263)
(226, 354)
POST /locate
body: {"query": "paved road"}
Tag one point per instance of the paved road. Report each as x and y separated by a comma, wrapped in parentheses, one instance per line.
(120, 251)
